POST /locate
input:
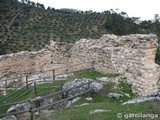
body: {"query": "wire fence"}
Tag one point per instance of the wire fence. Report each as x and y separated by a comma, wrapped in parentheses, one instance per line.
(20, 82)
(33, 110)
(31, 86)
(38, 72)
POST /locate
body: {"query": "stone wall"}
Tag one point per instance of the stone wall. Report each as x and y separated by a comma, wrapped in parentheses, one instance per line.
(131, 55)
(53, 56)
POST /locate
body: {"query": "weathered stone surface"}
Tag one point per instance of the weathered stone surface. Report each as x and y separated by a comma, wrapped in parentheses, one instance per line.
(27, 106)
(99, 111)
(142, 99)
(53, 56)
(115, 95)
(132, 55)
(103, 79)
(9, 117)
(78, 82)
(70, 103)
(84, 104)
(19, 108)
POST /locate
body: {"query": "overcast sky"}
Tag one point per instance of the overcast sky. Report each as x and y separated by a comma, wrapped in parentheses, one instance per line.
(145, 9)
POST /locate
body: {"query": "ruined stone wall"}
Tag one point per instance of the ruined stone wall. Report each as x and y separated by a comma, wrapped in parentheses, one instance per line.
(131, 55)
(53, 56)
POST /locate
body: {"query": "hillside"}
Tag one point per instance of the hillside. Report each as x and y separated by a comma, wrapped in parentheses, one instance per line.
(26, 27)
(29, 26)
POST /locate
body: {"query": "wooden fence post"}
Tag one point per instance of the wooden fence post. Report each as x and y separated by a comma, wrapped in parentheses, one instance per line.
(53, 75)
(5, 91)
(35, 89)
(61, 85)
(31, 114)
(27, 81)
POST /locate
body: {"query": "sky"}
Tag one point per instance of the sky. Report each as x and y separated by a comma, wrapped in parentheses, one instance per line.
(145, 9)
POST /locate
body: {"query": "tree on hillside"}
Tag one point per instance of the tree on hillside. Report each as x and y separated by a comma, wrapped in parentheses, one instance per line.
(119, 25)
(157, 17)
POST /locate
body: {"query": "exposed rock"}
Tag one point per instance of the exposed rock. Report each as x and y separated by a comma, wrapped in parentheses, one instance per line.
(103, 79)
(84, 104)
(19, 108)
(99, 111)
(26, 107)
(70, 103)
(115, 95)
(77, 82)
(62, 77)
(141, 99)
(89, 98)
(9, 117)
(126, 94)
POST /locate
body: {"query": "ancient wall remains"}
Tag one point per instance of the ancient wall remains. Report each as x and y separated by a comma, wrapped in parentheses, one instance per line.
(54, 55)
(131, 55)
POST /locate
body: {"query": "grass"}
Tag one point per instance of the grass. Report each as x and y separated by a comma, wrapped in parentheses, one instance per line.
(42, 89)
(83, 112)
(93, 74)
(100, 100)
(113, 106)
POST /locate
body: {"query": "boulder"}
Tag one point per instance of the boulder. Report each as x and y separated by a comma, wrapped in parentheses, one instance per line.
(115, 95)
(26, 107)
(19, 108)
(77, 82)
(142, 99)
(103, 79)
(70, 103)
(99, 111)
(9, 117)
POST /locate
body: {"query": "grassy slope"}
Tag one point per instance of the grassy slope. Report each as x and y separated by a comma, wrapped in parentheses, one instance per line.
(25, 27)
(101, 101)
(40, 92)
(83, 112)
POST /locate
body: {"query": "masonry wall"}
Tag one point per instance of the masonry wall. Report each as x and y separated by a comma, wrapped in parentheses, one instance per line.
(132, 55)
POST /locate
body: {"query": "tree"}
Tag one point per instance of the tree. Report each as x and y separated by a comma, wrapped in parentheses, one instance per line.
(33, 4)
(22, 1)
(156, 17)
(29, 2)
(124, 14)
